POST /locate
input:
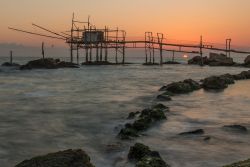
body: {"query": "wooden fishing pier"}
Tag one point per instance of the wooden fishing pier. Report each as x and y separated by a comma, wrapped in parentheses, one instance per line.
(85, 36)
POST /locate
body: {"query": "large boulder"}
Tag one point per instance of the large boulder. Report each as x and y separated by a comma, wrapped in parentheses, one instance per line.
(214, 82)
(247, 61)
(144, 157)
(197, 60)
(181, 87)
(47, 63)
(67, 158)
(220, 60)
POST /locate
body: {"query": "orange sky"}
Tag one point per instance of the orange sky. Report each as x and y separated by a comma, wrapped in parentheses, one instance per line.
(216, 20)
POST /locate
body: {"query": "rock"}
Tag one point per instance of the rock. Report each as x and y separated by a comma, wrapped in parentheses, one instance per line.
(164, 97)
(181, 87)
(214, 82)
(219, 60)
(132, 115)
(144, 157)
(160, 107)
(8, 64)
(247, 60)
(197, 60)
(127, 133)
(149, 161)
(171, 62)
(47, 63)
(138, 151)
(195, 132)
(229, 79)
(245, 163)
(68, 158)
(243, 75)
(194, 85)
(238, 128)
(146, 118)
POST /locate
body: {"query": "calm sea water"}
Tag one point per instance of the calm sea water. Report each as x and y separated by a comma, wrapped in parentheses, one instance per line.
(44, 111)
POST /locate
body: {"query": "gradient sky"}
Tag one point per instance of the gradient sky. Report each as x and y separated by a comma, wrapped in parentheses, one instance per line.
(216, 20)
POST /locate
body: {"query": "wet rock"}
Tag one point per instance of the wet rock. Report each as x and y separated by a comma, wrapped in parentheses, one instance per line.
(238, 128)
(163, 97)
(138, 151)
(245, 163)
(242, 76)
(8, 64)
(47, 63)
(128, 133)
(194, 85)
(145, 120)
(132, 115)
(149, 161)
(214, 82)
(160, 107)
(197, 60)
(207, 138)
(229, 79)
(220, 60)
(68, 158)
(144, 157)
(195, 132)
(181, 87)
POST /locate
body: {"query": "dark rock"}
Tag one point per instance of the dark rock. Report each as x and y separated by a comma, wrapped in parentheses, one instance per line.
(195, 132)
(132, 115)
(247, 60)
(99, 63)
(142, 123)
(219, 60)
(245, 163)
(197, 60)
(144, 157)
(47, 63)
(181, 87)
(194, 85)
(238, 128)
(207, 138)
(146, 118)
(160, 107)
(8, 64)
(138, 151)
(128, 133)
(68, 158)
(229, 79)
(214, 82)
(149, 161)
(164, 97)
(171, 62)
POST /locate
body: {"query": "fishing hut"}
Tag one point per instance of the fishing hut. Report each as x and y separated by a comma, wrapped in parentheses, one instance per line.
(96, 44)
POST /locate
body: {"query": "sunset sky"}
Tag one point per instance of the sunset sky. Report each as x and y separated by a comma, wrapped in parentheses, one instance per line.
(186, 20)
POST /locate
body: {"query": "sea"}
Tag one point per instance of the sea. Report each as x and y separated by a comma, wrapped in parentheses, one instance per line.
(44, 111)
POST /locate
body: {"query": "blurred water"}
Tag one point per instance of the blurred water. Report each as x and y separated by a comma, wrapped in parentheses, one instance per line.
(44, 111)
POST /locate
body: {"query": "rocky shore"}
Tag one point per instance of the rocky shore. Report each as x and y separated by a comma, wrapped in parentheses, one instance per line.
(215, 59)
(139, 122)
(47, 63)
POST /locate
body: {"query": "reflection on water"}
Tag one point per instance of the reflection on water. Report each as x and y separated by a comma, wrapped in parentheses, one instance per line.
(49, 110)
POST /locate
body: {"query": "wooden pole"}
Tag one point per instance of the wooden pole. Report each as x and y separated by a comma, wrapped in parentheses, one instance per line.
(11, 57)
(71, 42)
(201, 52)
(101, 51)
(43, 50)
(87, 54)
(173, 57)
(97, 53)
(116, 46)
